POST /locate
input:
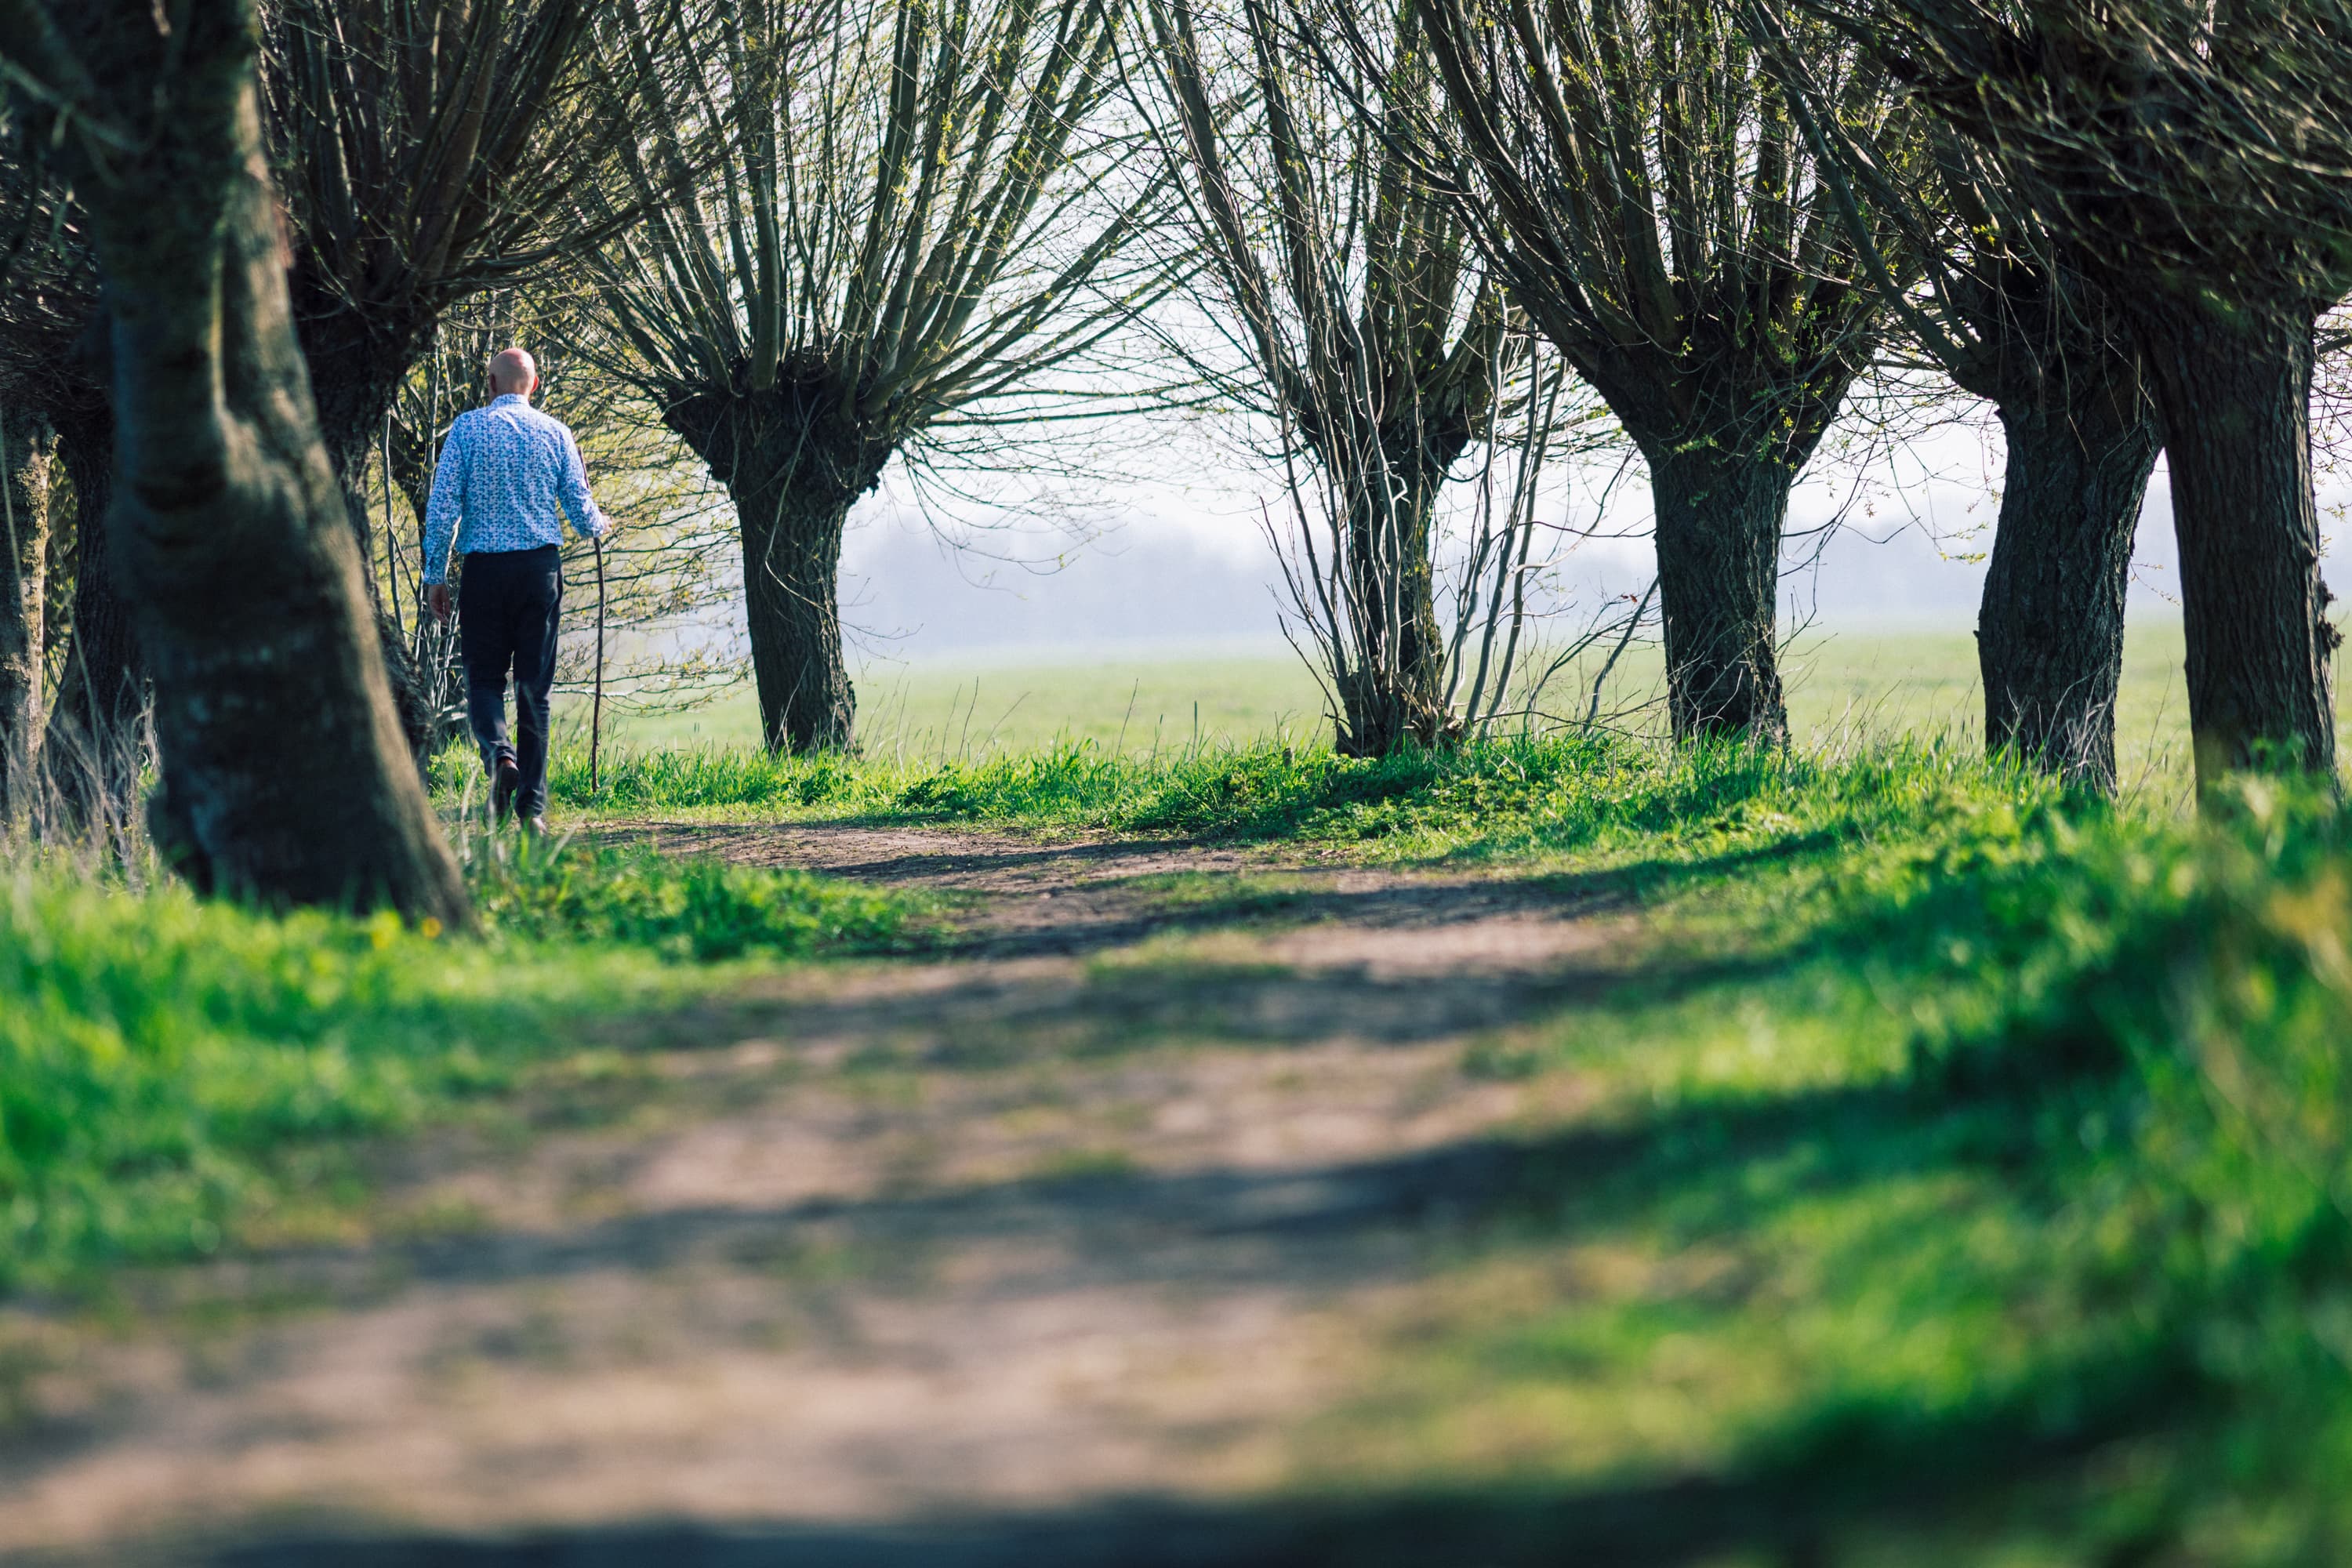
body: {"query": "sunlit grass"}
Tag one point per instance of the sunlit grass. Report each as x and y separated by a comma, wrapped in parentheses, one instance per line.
(1845, 688)
(1960, 1173)
(160, 1057)
(1974, 1192)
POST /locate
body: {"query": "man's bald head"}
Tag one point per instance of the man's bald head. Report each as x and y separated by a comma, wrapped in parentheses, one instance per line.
(513, 369)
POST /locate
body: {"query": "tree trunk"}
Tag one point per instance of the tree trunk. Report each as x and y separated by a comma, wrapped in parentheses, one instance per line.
(284, 775)
(25, 450)
(1395, 689)
(791, 600)
(91, 756)
(1719, 518)
(24, 593)
(2233, 400)
(2049, 634)
(793, 462)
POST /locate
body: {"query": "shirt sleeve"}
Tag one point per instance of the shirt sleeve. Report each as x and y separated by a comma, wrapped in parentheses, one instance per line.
(579, 506)
(446, 504)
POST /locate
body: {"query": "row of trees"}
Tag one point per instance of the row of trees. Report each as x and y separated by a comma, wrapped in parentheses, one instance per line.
(808, 237)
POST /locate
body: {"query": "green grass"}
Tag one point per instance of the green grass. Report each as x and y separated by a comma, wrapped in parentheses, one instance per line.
(1561, 794)
(1967, 1176)
(1879, 684)
(1973, 1168)
(162, 1059)
(1973, 1187)
(944, 709)
(1843, 687)
(699, 909)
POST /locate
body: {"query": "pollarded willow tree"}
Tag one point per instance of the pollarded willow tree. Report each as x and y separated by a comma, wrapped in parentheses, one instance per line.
(230, 537)
(862, 217)
(1642, 188)
(427, 151)
(2003, 309)
(1376, 343)
(2197, 159)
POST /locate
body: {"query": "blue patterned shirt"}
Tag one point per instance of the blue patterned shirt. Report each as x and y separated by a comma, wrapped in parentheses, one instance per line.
(503, 473)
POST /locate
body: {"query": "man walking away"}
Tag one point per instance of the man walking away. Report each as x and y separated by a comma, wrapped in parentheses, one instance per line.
(504, 472)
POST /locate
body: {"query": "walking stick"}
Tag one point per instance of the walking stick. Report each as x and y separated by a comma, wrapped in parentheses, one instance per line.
(596, 708)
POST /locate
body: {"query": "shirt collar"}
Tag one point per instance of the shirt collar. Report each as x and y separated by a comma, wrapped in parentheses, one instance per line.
(505, 398)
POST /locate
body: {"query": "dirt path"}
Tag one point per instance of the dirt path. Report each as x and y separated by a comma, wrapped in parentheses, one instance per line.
(1049, 1250)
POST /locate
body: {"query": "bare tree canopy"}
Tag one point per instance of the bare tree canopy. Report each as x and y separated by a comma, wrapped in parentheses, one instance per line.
(1377, 343)
(1998, 305)
(860, 217)
(284, 776)
(427, 149)
(1635, 174)
(2198, 160)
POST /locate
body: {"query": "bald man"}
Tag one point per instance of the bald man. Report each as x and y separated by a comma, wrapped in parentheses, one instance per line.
(509, 477)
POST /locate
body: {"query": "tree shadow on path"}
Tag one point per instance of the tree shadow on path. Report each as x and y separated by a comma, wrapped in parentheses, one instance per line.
(1802, 1498)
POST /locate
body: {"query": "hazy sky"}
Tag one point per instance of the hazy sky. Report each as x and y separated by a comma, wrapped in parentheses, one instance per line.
(1182, 562)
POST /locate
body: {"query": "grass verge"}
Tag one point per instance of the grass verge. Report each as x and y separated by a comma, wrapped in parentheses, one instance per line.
(1974, 1188)
(162, 1059)
(1564, 792)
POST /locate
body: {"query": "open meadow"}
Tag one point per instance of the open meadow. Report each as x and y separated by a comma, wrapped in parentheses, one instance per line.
(1843, 686)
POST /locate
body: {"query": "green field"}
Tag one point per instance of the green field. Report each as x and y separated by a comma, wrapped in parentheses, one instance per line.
(1843, 687)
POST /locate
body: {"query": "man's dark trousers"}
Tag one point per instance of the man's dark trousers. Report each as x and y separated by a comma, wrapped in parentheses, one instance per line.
(509, 605)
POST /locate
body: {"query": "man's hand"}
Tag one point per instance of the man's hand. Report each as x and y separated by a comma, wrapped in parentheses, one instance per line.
(436, 595)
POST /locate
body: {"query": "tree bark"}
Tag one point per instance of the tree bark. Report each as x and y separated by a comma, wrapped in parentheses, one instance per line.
(792, 599)
(793, 463)
(2050, 632)
(1719, 518)
(2234, 399)
(355, 387)
(286, 778)
(1395, 690)
(91, 757)
(26, 445)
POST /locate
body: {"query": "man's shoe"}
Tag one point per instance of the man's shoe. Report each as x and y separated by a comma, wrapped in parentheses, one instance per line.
(505, 779)
(533, 827)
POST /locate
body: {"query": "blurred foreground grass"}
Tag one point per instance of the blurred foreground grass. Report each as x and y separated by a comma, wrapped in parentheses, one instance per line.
(1968, 1183)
